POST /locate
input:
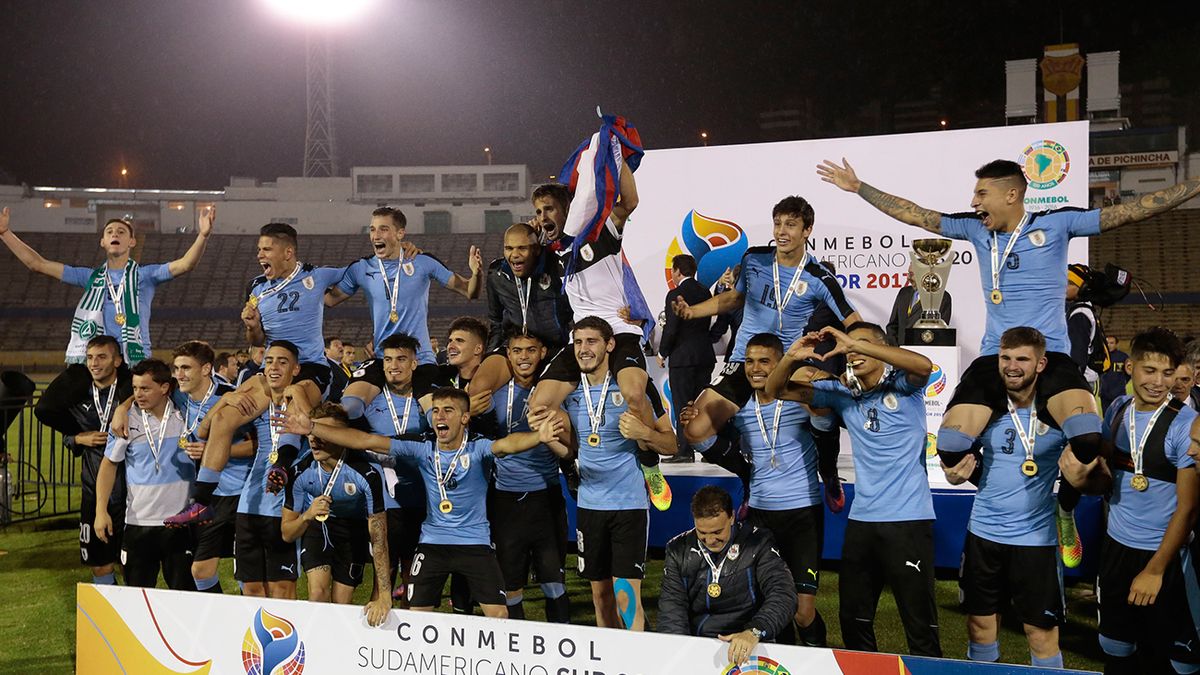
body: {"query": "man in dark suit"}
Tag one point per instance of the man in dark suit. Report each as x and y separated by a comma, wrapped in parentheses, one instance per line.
(686, 345)
(906, 310)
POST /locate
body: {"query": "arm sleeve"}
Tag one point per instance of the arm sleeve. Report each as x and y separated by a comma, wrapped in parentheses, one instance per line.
(903, 385)
(778, 592)
(158, 273)
(348, 284)
(825, 395)
(115, 450)
(1181, 439)
(54, 407)
(437, 270)
(293, 495)
(331, 276)
(834, 296)
(1084, 223)
(373, 480)
(1079, 332)
(76, 276)
(958, 227)
(495, 313)
(666, 343)
(406, 449)
(893, 324)
(672, 600)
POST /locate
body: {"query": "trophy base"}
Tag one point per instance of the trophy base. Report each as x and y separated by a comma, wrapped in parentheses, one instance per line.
(931, 337)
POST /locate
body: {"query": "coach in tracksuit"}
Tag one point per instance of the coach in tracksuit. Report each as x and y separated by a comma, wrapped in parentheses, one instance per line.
(725, 580)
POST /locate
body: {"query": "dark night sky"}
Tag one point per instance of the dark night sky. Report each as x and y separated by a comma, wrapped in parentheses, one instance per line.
(190, 93)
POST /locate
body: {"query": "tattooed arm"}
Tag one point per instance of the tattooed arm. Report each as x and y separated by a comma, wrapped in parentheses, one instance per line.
(1147, 205)
(381, 596)
(897, 207)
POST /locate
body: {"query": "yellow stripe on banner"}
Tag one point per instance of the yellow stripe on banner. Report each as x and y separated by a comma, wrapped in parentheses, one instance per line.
(1072, 109)
(1051, 111)
(104, 643)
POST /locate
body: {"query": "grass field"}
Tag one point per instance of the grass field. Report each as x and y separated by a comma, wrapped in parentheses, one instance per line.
(39, 567)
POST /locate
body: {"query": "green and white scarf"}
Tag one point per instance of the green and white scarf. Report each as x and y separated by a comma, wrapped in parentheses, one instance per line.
(89, 316)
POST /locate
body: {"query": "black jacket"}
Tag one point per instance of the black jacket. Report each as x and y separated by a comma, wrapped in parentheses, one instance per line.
(549, 313)
(902, 318)
(686, 342)
(757, 590)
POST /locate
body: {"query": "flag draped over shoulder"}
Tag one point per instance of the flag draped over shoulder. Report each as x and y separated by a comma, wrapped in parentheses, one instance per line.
(593, 174)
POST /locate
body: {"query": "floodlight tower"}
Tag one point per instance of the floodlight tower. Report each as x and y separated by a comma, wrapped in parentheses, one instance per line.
(320, 149)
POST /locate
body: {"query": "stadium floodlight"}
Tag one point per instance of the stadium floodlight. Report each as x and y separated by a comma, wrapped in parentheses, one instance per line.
(318, 13)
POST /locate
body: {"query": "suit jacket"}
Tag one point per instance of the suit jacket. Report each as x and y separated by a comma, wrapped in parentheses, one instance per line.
(686, 343)
(902, 318)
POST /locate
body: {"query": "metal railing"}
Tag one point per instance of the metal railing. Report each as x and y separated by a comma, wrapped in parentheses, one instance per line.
(39, 477)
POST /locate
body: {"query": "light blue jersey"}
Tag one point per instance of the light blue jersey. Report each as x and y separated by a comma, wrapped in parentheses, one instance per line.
(466, 489)
(789, 480)
(157, 476)
(412, 299)
(255, 499)
(296, 312)
(149, 277)
(404, 486)
(357, 492)
(529, 471)
(1139, 519)
(1010, 507)
(1033, 278)
(610, 477)
(233, 476)
(812, 287)
(887, 432)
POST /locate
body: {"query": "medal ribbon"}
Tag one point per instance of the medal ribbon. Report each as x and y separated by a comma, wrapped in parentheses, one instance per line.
(272, 429)
(156, 447)
(524, 300)
(189, 427)
(104, 418)
(437, 465)
(998, 262)
(781, 300)
(116, 292)
(715, 569)
(281, 286)
(509, 418)
(1137, 447)
(596, 417)
(337, 469)
(401, 426)
(762, 426)
(1028, 440)
(392, 292)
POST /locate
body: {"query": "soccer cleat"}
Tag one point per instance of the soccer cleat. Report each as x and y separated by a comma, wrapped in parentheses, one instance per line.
(1069, 543)
(195, 514)
(660, 492)
(835, 496)
(277, 478)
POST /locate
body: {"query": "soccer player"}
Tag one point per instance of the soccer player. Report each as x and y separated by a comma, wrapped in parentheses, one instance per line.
(1011, 549)
(83, 424)
(778, 290)
(285, 304)
(612, 518)
(395, 412)
(335, 504)
(465, 343)
(396, 280)
(264, 562)
(455, 536)
(1025, 254)
(889, 537)
(158, 473)
(339, 373)
(526, 509)
(198, 392)
(118, 294)
(1145, 584)
(594, 279)
(785, 496)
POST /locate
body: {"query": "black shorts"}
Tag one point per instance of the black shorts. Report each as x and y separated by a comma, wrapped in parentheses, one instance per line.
(260, 553)
(798, 535)
(404, 531)
(994, 574)
(319, 374)
(433, 563)
(626, 354)
(612, 544)
(341, 544)
(731, 383)
(424, 379)
(215, 540)
(145, 549)
(525, 529)
(92, 551)
(981, 383)
(1162, 631)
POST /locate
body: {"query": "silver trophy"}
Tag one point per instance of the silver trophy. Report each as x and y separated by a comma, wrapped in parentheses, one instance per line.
(930, 267)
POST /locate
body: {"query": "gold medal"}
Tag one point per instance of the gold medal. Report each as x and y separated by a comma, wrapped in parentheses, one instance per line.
(445, 506)
(714, 590)
(1139, 482)
(120, 319)
(321, 517)
(997, 296)
(273, 457)
(593, 440)
(394, 316)
(1029, 468)
(253, 301)
(183, 442)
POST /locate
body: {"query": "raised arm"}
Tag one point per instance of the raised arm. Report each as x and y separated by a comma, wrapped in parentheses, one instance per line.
(783, 383)
(1147, 205)
(28, 257)
(469, 287)
(548, 432)
(628, 200)
(917, 366)
(192, 257)
(718, 304)
(897, 207)
(296, 422)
